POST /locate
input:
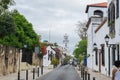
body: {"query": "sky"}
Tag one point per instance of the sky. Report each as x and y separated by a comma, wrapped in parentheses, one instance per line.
(52, 19)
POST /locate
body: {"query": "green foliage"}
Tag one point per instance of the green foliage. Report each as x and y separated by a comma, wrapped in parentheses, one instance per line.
(54, 61)
(66, 59)
(81, 49)
(15, 30)
(23, 33)
(6, 3)
(55, 44)
(7, 24)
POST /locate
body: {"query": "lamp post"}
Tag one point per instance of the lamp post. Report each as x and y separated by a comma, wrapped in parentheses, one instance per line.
(96, 53)
(19, 65)
(25, 46)
(94, 45)
(95, 49)
(109, 45)
(107, 39)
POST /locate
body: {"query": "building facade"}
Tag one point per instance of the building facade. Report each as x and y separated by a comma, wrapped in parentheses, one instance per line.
(103, 35)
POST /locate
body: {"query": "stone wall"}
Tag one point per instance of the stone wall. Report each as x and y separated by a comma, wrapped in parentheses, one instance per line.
(8, 59)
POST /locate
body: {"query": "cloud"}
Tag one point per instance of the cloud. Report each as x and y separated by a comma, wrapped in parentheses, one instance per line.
(53, 18)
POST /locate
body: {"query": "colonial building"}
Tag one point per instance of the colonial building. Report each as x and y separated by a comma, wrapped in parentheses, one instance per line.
(96, 30)
(47, 57)
(103, 36)
(112, 47)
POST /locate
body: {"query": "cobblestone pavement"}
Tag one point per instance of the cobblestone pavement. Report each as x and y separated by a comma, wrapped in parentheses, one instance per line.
(14, 76)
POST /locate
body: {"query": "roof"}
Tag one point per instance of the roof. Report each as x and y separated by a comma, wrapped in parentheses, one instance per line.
(88, 23)
(103, 4)
(57, 50)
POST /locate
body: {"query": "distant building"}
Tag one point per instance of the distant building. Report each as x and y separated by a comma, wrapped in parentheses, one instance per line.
(47, 58)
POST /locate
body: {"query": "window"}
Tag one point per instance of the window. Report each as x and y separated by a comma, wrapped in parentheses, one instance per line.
(117, 8)
(103, 55)
(111, 20)
(98, 12)
(96, 56)
(113, 54)
(118, 54)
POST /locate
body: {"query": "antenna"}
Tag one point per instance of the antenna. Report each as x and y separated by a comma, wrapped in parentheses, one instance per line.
(49, 34)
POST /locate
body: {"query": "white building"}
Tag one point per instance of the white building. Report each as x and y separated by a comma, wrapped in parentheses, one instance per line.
(113, 48)
(46, 58)
(102, 57)
(96, 31)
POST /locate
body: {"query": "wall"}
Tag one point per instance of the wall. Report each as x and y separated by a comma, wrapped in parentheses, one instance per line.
(8, 60)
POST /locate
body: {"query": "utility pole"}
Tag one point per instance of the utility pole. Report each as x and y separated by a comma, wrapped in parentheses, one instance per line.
(65, 41)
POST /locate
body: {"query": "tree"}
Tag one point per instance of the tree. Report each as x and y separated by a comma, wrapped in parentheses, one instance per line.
(55, 61)
(7, 25)
(81, 49)
(81, 30)
(24, 33)
(66, 59)
(6, 3)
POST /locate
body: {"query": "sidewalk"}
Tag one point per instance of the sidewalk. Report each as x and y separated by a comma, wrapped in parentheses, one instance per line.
(14, 76)
(97, 75)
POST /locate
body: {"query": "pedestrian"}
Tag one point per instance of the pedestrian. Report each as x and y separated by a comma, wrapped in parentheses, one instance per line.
(116, 71)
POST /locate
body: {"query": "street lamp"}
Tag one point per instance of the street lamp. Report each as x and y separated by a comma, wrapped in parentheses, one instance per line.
(113, 47)
(19, 65)
(25, 46)
(96, 52)
(94, 45)
(107, 39)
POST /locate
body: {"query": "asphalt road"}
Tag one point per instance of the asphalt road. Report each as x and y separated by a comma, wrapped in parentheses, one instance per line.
(66, 72)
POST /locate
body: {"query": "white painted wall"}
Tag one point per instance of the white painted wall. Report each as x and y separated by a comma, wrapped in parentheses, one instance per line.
(92, 36)
(47, 62)
(115, 40)
(117, 25)
(99, 39)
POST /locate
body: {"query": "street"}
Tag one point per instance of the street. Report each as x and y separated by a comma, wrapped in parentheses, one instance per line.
(66, 72)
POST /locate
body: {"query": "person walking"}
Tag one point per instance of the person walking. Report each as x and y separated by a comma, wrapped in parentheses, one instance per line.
(116, 71)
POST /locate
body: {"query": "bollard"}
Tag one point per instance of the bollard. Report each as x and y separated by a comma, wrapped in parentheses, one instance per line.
(81, 71)
(33, 73)
(42, 70)
(38, 71)
(18, 75)
(27, 74)
(85, 75)
(93, 78)
(88, 76)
